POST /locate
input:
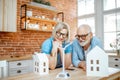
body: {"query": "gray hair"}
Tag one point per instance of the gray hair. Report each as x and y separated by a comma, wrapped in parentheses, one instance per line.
(85, 26)
(59, 26)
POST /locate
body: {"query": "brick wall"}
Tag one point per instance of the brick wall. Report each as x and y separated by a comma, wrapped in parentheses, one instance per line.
(27, 42)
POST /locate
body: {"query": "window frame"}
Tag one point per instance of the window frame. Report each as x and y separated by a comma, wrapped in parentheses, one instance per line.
(99, 19)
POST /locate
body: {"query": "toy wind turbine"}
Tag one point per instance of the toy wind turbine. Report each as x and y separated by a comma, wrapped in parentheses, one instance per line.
(64, 74)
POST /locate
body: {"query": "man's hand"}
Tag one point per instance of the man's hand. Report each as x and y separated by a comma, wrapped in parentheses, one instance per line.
(82, 65)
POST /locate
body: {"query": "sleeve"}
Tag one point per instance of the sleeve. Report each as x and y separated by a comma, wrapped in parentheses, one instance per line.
(75, 58)
(98, 43)
(46, 47)
(68, 49)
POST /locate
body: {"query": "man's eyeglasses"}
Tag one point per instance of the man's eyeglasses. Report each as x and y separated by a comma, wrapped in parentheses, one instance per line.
(61, 34)
(82, 36)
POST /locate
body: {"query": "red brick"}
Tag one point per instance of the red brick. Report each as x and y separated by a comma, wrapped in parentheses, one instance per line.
(25, 42)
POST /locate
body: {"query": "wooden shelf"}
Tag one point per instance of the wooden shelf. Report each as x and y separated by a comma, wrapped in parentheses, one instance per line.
(42, 20)
(39, 23)
(49, 24)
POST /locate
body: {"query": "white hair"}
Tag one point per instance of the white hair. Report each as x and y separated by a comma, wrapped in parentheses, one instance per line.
(85, 26)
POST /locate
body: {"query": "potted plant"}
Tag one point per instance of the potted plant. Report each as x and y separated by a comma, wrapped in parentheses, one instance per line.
(116, 44)
(42, 2)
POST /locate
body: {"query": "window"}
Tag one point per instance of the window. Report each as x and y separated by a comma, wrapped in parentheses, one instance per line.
(44, 70)
(104, 18)
(111, 23)
(111, 4)
(91, 68)
(97, 69)
(44, 64)
(89, 21)
(97, 61)
(85, 7)
(86, 13)
(109, 30)
(91, 62)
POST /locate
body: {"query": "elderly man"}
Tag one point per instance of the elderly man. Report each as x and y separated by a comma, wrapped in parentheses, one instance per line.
(84, 42)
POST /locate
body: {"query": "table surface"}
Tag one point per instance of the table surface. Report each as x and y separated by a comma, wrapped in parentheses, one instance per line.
(77, 74)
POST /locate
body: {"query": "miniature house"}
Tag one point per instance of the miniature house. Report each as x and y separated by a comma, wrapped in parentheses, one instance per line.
(3, 69)
(40, 63)
(97, 62)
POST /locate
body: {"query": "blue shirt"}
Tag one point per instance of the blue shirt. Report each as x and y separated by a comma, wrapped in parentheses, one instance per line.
(78, 54)
(47, 48)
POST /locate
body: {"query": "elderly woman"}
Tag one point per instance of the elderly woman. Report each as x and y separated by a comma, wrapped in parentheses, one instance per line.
(52, 47)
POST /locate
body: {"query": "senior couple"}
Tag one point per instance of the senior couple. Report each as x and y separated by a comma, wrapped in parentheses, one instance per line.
(76, 52)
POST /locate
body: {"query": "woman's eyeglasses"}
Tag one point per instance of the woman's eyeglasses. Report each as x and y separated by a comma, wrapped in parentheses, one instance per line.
(82, 36)
(61, 34)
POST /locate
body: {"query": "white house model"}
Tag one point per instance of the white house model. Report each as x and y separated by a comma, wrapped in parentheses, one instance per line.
(3, 68)
(40, 63)
(97, 62)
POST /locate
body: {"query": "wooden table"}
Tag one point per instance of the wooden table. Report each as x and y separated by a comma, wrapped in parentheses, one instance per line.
(77, 74)
(16, 58)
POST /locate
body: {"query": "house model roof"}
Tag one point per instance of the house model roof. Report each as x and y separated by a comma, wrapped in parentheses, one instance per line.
(41, 57)
(97, 52)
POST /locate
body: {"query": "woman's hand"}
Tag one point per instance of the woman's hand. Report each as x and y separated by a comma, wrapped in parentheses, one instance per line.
(56, 45)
